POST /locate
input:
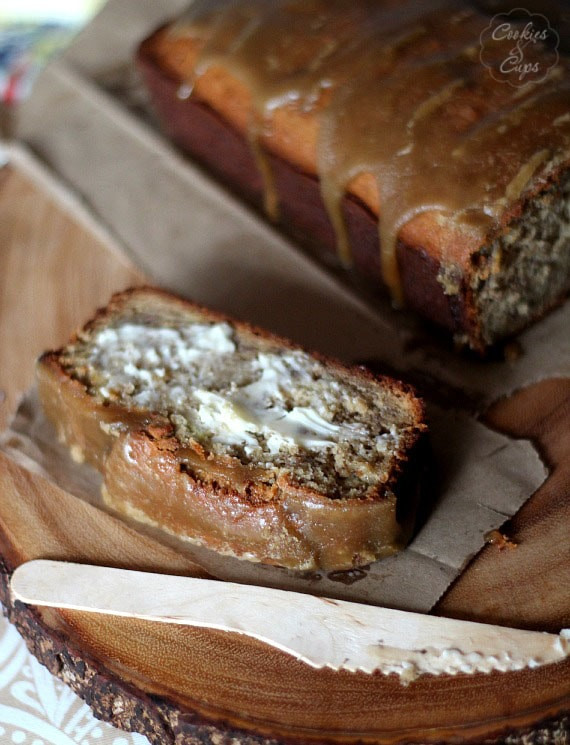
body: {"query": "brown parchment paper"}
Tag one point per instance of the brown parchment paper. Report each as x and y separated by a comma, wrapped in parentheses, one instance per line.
(478, 479)
(88, 120)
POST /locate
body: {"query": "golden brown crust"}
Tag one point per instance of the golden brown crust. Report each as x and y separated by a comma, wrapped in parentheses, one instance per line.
(202, 132)
(291, 135)
(151, 476)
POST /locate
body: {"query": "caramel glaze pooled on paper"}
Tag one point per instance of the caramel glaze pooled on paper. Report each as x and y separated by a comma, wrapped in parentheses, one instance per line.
(407, 112)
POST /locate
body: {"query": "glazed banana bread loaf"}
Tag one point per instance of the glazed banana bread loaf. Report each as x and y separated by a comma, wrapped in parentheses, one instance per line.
(232, 438)
(376, 130)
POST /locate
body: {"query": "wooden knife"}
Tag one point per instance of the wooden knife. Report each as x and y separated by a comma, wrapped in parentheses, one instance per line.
(319, 631)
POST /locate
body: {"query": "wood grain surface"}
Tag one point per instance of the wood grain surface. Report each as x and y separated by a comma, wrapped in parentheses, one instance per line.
(53, 273)
(526, 581)
(190, 685)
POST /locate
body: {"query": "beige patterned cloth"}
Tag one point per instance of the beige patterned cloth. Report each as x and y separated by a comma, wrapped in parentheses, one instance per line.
(38, 709)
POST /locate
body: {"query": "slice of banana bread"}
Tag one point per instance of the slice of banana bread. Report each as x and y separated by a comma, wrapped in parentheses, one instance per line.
(230, 437)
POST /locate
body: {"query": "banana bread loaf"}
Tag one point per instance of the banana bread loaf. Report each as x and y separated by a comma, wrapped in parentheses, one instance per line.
(229, 437)
(377, 131)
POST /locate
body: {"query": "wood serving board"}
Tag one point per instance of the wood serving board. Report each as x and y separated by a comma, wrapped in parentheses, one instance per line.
(189, 685)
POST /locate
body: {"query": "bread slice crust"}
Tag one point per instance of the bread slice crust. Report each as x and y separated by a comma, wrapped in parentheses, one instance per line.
(153, 477)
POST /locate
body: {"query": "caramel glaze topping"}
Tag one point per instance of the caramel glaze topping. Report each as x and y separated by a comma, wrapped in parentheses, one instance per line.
(401, 96)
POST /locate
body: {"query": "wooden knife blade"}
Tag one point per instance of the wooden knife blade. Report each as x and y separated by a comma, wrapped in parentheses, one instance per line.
(319, 631)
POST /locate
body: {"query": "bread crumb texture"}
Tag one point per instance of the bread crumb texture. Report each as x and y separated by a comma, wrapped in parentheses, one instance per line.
(526, 269)
(273, 408)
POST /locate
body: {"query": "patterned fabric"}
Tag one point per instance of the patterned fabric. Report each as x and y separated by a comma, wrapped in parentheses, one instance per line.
(38, 709)
(24, 49)
(31, 32)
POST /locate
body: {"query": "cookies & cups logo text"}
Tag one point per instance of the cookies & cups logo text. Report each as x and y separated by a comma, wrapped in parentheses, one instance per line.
(519, 47)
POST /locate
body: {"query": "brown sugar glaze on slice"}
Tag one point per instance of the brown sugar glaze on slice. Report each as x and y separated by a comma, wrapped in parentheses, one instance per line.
(408, 115)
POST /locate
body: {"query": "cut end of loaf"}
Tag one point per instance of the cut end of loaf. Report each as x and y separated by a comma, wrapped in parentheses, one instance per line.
(525, 270)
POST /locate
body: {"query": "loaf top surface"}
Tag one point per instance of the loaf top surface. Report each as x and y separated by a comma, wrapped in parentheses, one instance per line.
(389, 101)
(236, 394)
